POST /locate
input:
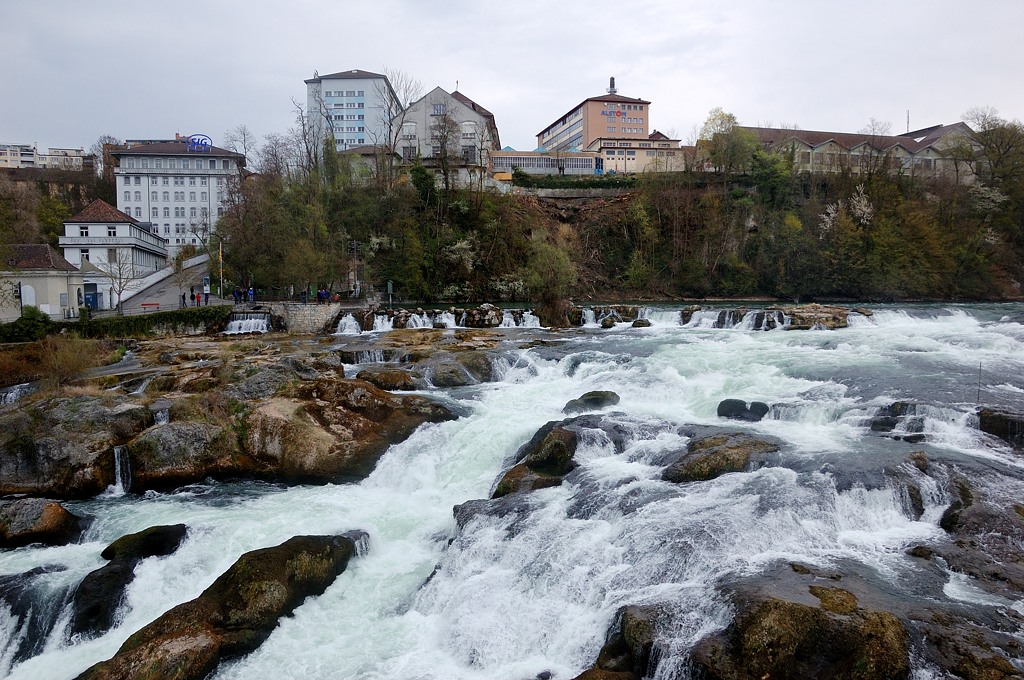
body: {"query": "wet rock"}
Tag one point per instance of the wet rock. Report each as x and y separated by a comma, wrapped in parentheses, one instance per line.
(542, 462)
(37, 520)
(642, 323)
(774, 639)
(259, 382)
(477, 363)
(627, 651)
(33, 616)
(737, 409)
(184, 452)
(812, 316)
(100, 594)
(234, 615)
(591, 401)
(450, 374)
(608, 322)
(390, 379)
(301, 369)
(61, 447)
(713, 455)
(1007, 425)
(332, 430)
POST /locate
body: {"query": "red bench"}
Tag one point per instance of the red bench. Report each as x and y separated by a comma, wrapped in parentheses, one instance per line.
(150, 306)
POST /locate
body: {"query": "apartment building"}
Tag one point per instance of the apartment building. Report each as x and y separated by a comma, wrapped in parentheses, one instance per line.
(447, 123)
(607, 115)
(56, 158)
(354, 106)
(177, 188)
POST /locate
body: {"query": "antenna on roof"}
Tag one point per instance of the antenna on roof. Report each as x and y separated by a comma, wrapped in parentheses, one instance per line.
(316, 74)
(611, 85)
(456, 85)
(908, 120)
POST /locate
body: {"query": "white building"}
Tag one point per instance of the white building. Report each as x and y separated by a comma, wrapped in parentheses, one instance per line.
(114, 252)
(35, 274)
(355, 106)
(28, 156)
(474, 134)
(179, 188)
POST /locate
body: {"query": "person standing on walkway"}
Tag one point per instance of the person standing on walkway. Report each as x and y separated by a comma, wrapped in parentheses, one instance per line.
(183, 305)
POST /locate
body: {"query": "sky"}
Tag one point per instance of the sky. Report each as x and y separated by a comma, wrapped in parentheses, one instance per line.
(73, 70)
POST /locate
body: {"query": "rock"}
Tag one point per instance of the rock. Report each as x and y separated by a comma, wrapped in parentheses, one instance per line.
(332, 430)
(813, 316)
(591, 401)
(37, 520)
(391, 379)
(775, 639)
(450, 375)
(1007, 425)
(737, 409)
(100, 594)
(62, 447)
(714, 455)
(608, 322)
(302, 370)
(642, 323)
(234, 615)
(627, 652)
(261, 382)
(477, 363)
(542, 462)
(184, 452)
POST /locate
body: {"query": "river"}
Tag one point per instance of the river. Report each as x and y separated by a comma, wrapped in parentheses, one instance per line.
(535, 590)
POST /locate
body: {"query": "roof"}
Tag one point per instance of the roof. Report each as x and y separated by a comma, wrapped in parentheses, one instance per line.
(354, 74)
(850, 140)
(472, 104)
(369, 150)
(99, 211)
(38, 256)
(173, 148)
(657, 136)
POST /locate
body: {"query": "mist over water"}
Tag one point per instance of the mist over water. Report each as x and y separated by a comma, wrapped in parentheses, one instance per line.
(535, 587)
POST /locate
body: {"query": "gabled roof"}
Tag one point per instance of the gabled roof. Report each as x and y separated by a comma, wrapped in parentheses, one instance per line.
(472, 104)
(38, 256)
(912, 142)
(173, 148)
(354, 74)
(657, 136)
(99, 211)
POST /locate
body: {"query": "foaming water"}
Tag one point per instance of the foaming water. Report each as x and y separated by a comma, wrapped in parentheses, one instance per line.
(533, 583)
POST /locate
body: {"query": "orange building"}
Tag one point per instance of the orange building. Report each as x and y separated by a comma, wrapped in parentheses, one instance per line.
(607, 115)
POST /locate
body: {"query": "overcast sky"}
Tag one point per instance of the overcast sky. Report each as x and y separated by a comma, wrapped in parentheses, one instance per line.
(72, 70)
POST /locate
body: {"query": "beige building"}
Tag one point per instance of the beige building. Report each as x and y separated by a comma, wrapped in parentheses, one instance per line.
(35, 274)
(607, 115)
(656, 153)
(937, 151)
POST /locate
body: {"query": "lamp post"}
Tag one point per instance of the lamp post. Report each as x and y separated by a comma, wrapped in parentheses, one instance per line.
(21, 301)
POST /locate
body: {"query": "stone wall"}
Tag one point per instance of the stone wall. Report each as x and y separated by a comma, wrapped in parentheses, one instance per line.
(309, 319)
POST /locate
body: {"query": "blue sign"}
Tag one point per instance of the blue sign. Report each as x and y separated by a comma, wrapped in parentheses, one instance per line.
(199, 143)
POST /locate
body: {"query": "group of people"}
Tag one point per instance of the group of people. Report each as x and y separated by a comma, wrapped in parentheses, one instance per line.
(195, 298)
(240, 295)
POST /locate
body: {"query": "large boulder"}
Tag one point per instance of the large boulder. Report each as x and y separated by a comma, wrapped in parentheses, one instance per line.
(63, 447)
(1002, 423)
(737, 409)
(37, 520)
(390, 379)
(333, 430)
(234, 615)
(591, 401)
(101, 592)
(773, 638)
(714, 455)
(542, 462)
(184, 452)
(814, 316)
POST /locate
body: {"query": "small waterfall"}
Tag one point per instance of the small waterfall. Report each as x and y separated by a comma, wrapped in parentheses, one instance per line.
(383, 323)
(589, 318)
(13, 394)
(348, 325)
(248, 322)
(530, 320)
(762, 320)
(704, 318)
(516, 318)
(141, 389)
(662, 317)
(122, 472)
(447, 318)
(462, 320)
(419, 321)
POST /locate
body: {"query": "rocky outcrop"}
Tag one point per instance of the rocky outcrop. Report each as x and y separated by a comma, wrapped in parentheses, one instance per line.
(627, 651)
(591, 401)
(332, 430)
(37, 520)
(100, 593)
(234, 615)
(814, 316)
(62, 447)
(773, 638)
(1002, 423)
(542, 462)
(737, 409)
(714, 455)
(184, 452)
(390, 379)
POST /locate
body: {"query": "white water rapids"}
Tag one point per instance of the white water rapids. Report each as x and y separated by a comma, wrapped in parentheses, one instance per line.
(536, 590)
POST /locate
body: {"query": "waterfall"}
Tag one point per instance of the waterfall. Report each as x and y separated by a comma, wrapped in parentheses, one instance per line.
(348, 325)
(589, 318)
(462, 320)
(383, 323)
(13, 394)
(248, 322)
(447, 318)
(530, 320)
(122, 472)
(419, 321)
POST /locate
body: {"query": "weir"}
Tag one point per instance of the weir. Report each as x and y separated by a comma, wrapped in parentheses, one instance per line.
(248, 322)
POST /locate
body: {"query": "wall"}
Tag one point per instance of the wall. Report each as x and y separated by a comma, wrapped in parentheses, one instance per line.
(311, 319)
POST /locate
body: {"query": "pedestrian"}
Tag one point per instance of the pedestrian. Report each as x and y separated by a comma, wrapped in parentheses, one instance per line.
(206, 299)
(252, 294)
(191, 290)
(303, 296)
(183, 305)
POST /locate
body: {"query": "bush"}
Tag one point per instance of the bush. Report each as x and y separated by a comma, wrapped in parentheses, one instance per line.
(32, 325)
(64, 360)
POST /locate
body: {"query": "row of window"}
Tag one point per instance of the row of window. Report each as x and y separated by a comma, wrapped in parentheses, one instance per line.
(865, 160)
(348, 105)
(174, 163)
(178, 196)
(166, 181)
(347, 116)
(627, 107)
(344, 93)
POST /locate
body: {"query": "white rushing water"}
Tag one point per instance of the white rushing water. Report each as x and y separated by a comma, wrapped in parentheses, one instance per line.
(248, 322)
(348, 325)
(536, 590)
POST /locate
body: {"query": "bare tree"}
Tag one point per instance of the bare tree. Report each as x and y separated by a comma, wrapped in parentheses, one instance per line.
(876, 156)
(120, 271)
(179, 274)
(240, 140)
(444, 150)
(395, 94)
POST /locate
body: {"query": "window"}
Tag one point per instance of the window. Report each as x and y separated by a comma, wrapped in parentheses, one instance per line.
(138, 195)
(179, 195)
(127, 195)
(172, 163)
(203, 196)
(191, 212)
(360, 93)
(179, 181)
(167, 195)
(83, 231)
(167, 227)
(220, 211)
(220, 180)
(438, 110)
(611, 128)
(359, 105)
(192, 196)
(202, 181)
(224, 164)
(145, 162)
(179, 212)
(158, 163)
(469, 154)
(166, 181)
(359, 117)
(138, 212)
(84, 254)
(152, 195)
(435, 151)
(407, 153)
(167, 212)
(408, 130)
(138, 181)
(191, 181)
(213, 164)
(155, 213)
(129, 163)
(186, 163)
(153, 181)
(350, 93)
